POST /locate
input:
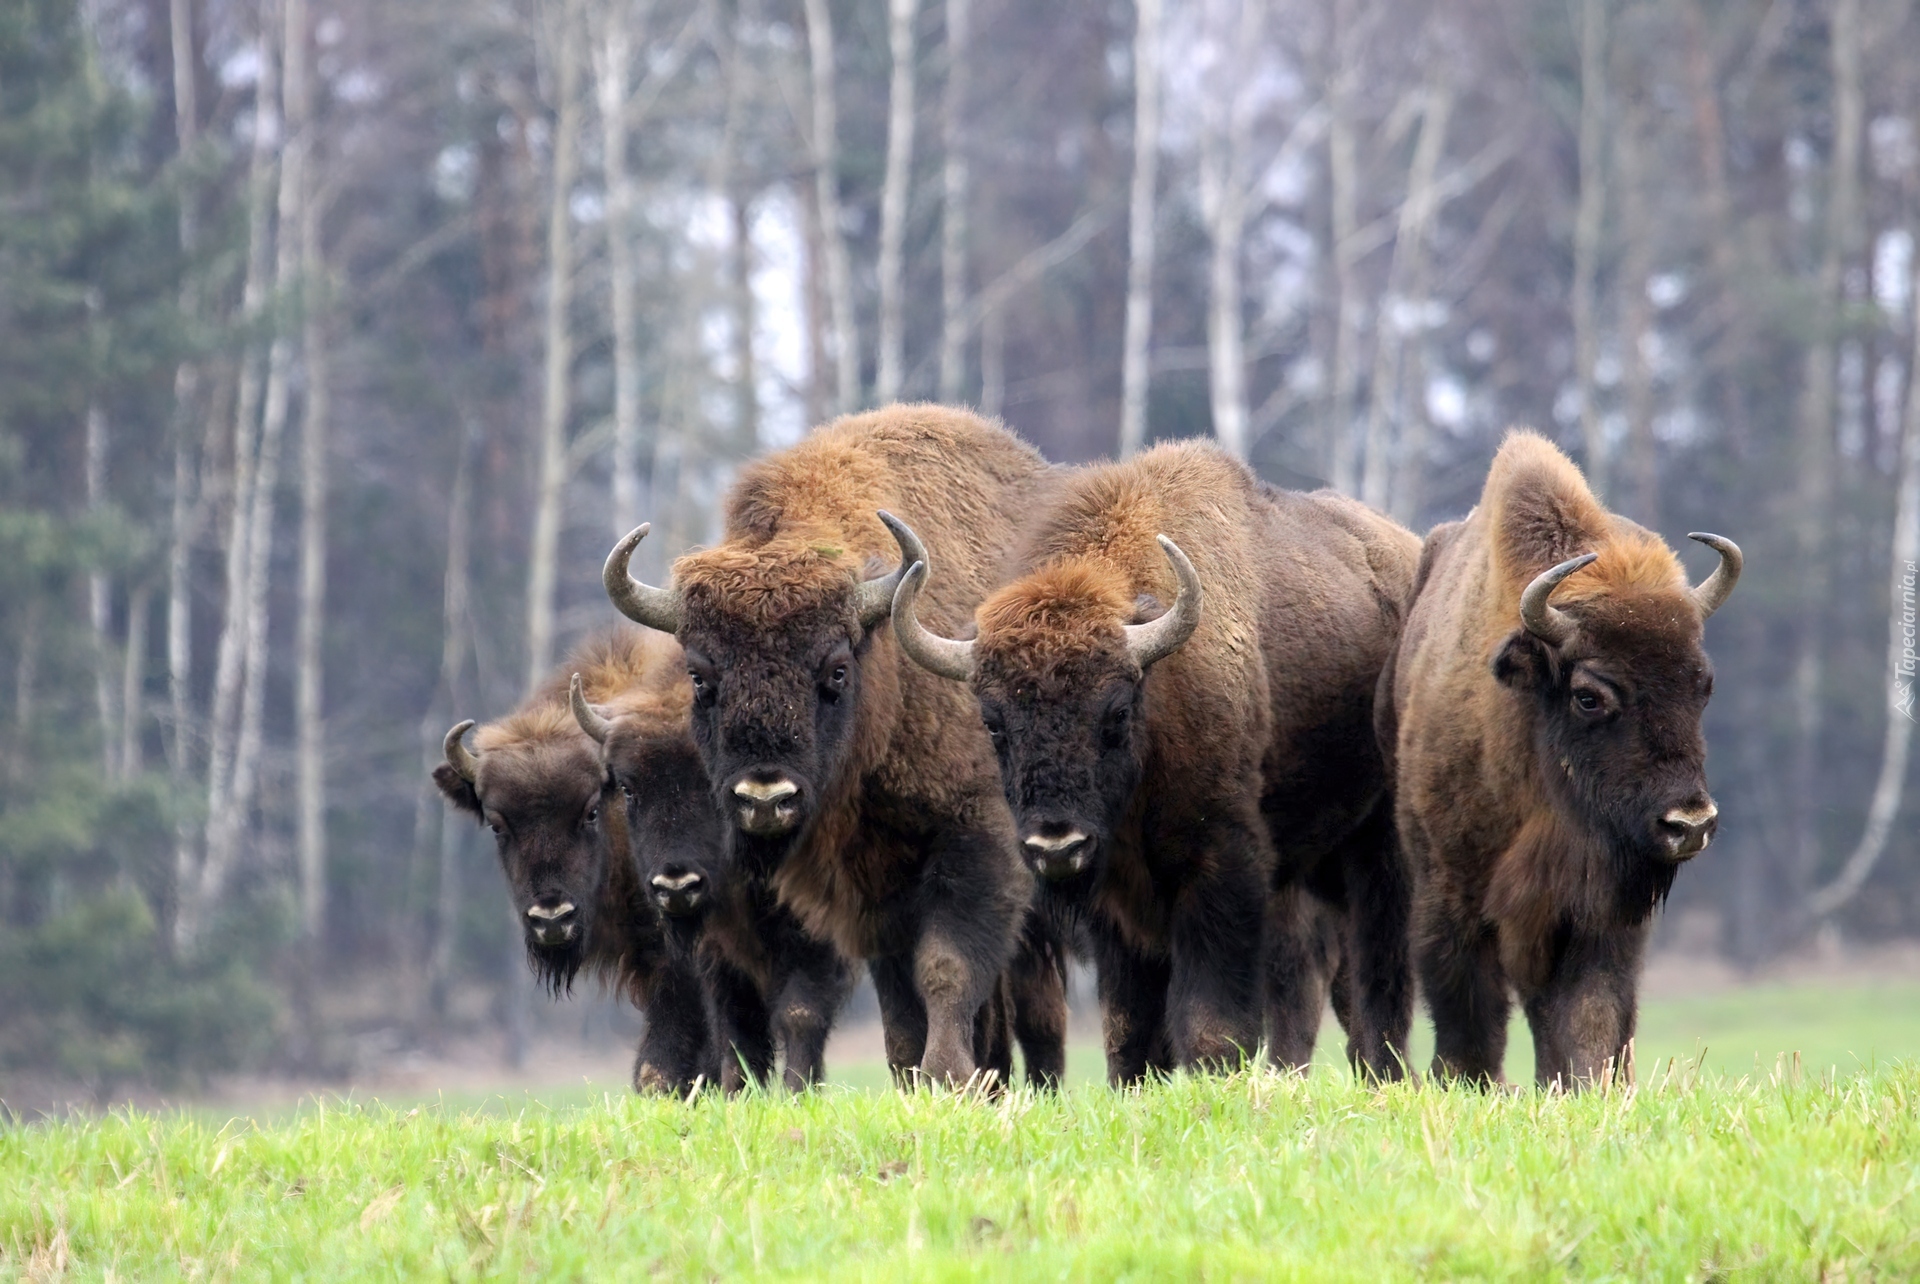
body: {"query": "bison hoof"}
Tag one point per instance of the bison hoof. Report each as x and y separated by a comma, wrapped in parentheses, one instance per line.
(945, 1068)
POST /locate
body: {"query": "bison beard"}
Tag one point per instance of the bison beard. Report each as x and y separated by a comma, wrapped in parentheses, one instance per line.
(1172, 772)
(1550, 763)
(770, 986)
(858, 786)
(537, 782)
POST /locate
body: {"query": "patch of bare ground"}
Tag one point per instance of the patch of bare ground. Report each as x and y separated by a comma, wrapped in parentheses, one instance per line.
(1688, 962)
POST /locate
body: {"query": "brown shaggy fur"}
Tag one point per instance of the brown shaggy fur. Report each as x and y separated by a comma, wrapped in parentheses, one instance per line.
(913, 801)
(1258, 767)
(1521, 880)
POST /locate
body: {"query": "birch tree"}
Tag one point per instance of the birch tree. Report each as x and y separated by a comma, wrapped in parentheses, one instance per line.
(1224, 172)
(556, 385)
(953, 205)
(1343, 197)
(826, 177)
(309, 712)
(612, 59)
(894, 193)
(1588, 225)
(1135, 372)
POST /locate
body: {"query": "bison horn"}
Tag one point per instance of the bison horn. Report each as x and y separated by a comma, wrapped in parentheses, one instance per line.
(942, 656)
(1157, 639)
(458, 756)
(1718, 585)
(656, 608)
(876, 596)
(583, 713)
(1550, 623)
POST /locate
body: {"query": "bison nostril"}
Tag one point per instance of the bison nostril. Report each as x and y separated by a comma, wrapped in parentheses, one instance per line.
(549, 913)
(686, 881)
(1055, 844)
(763, 792)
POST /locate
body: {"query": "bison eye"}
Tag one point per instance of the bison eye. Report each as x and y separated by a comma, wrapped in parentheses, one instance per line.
(702, 689)
(1589, 703)
(593, 815)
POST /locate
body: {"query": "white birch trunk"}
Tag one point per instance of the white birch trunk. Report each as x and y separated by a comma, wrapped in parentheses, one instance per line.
(1135, 370)
(455, 629)
(1589, 220)
(309, 713)
(1223, 196)
(1343, 165)
(230, 658)
(555, 401)
(181, 524)
(826, 174)
(895, 190)
(1638, 478)
(133, 681)
(954, 184)
(1405, 284)
(615, 57)
(1889, 789)
(100, 592)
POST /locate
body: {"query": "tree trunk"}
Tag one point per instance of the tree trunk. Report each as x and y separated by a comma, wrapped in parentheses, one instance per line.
(309, 714)
(993, 362)
(1135, 368)
(611, 73)
(894, 193)
(1814, 451)
(181, 526)
(100, 592)
(1223, 197)
(1641, 477)
(953, 206)
(1406, 287)
(1589, 220)
(1343, 178)
(455, 629)
(826, 176)
(1889, 789)
(133, 681)
(746, 380)
(555, 402)
(223, 823)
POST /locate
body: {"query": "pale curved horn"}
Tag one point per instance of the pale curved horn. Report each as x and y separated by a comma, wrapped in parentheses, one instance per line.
(876, 596)
(458, 756)
(656, 608)
(1157, 639)
(1550, 623)
(583, 713)
(1714, 589)
(942, 656)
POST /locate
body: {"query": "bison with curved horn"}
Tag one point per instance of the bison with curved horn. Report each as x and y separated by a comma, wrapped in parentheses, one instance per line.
(773, 988)
(1180, 773)
(534, 778)
(859, 786)
(1543, 712)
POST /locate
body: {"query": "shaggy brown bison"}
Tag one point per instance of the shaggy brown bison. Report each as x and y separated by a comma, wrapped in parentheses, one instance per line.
(860, 786)
(1550, 762)
(536, 781)
(1169, 768)
(769, 982)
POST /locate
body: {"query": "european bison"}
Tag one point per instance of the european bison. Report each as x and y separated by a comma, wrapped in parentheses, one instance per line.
(768, 981)
(1170, 767)
(536, 781)
(1550, 760)
(861, 786)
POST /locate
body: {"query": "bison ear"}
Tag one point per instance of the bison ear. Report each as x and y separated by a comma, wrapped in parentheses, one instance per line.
(1147, 608)
(1523, 662)
(456, 788)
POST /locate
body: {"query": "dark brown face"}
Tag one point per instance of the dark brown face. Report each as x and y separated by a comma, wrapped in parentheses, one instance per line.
(773, 717)
(1617, 716)
(545, 817)
(673, 830)
(1071, 745)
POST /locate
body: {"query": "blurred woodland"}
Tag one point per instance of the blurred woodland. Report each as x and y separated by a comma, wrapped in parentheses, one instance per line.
(340, 338)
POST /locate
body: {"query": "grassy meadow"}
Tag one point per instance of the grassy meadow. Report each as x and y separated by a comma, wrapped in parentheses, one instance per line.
(1722, 1170)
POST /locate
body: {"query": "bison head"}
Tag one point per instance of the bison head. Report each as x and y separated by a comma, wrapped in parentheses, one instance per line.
(541, 796)
(1059, 668)
(672, 830)
(775, 639)
(1618, 682)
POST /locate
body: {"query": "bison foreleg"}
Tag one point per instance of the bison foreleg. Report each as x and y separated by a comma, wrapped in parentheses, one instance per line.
(1379, 910)
(808, 991)
(1466, 991)
(1213, 1005)
(676, 1048)
(1583, 1018)
(1133, 1010)
(1038, 977)
(740, 1027)
(1302, 950)
(903, 1018)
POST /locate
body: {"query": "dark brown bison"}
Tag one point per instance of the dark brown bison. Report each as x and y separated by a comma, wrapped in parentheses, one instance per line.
(1550, 762)
(860, 786)
(770, 984)
(537, 782)
(1171, 768)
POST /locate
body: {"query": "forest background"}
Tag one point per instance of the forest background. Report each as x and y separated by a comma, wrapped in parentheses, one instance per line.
(340, 338)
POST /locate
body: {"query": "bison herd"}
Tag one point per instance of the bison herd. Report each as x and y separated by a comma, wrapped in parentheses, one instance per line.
(939, 708)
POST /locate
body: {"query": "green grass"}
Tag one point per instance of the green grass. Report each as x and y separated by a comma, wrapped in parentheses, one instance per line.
(1259, 1176)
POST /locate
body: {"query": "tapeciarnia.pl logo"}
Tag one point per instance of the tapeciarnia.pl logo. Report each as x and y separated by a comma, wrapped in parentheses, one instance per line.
(1905, 664)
